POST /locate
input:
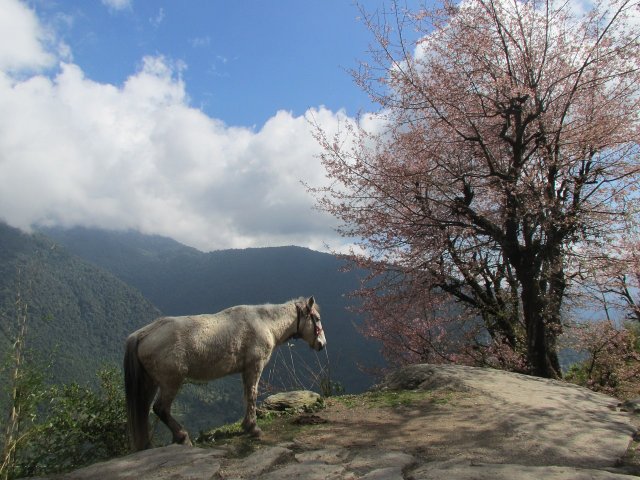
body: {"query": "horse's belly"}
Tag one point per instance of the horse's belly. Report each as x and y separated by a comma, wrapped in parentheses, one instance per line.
(210, 369)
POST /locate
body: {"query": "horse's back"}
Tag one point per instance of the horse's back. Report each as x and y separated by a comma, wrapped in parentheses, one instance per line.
(221, 344)
(202, 347)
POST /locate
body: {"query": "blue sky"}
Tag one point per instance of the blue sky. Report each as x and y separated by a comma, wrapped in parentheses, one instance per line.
(190, 119)
(241, 61)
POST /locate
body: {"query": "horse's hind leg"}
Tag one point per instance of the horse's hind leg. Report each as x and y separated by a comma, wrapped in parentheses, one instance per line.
(162, 408)
(150, 390)
(250, 379)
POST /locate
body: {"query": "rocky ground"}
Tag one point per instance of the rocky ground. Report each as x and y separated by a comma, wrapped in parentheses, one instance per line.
(426, 422)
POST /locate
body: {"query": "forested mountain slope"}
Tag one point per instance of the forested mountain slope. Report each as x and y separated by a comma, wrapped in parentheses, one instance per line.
(180, 280)
(78, 314)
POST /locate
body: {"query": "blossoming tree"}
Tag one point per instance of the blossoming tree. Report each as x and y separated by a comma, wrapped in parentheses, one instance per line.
(506, 147)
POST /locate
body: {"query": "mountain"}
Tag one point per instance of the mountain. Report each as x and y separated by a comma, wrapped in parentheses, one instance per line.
(180, 280)
(78, 314)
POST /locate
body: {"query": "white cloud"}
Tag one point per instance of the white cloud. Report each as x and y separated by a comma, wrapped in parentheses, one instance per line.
(118, 4)
(200, 42)
(74, 151)
(157, 20)
(23, 40)
(77, 152)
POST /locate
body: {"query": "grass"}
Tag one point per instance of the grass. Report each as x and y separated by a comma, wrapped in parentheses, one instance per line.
(394, 399)
(630, 462)
(279, 427)
(232, 436)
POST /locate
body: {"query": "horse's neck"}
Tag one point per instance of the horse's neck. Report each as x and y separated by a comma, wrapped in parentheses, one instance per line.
(284, 325)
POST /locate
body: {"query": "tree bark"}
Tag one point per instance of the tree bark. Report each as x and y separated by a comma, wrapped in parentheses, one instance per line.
(540, 316)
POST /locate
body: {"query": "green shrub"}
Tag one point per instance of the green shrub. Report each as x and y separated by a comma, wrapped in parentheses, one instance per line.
(612, 363)
(75, 426)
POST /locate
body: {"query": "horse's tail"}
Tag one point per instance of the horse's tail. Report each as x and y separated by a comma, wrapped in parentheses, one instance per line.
(139, 391)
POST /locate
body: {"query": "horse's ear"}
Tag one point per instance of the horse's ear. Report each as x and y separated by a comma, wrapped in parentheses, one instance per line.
(311, 302)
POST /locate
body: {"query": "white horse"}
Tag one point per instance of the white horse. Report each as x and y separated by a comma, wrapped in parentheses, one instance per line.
(161, 355)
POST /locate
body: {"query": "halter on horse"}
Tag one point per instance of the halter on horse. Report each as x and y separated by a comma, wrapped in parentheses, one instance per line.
(315, 318)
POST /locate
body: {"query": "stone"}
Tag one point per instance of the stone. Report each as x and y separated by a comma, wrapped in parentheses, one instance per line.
(330, 456)
(309, 471)
(296, 400)
(389, 473)
(257, 463)
(173, 461)
(421, 377)
(451, 471)
(372, 459)
(262, 460)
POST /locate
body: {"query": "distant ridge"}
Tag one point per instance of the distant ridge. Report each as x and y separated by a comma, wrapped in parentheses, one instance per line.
(87, 289)
(78, 314)
(181, 280)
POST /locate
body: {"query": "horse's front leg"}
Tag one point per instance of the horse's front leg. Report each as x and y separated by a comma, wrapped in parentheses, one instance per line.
(250, 379)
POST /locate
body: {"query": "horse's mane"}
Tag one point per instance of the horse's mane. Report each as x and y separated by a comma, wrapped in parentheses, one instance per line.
(303, 301)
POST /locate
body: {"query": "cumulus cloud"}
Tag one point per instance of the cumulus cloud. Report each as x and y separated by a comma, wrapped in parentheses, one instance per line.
(74, 151)
(23, 40)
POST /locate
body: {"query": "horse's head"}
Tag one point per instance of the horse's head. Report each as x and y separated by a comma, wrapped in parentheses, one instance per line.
(309, 325)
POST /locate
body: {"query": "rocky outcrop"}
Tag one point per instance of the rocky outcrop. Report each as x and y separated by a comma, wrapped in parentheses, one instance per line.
(172, 462)
(423, 377)
(493, 425)
(282, 463)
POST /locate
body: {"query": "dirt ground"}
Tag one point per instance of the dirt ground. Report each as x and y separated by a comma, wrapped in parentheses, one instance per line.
(434, 428)
(429, 422)
(499, 420)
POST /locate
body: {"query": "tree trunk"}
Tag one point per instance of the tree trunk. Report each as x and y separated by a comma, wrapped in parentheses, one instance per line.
(541, 332)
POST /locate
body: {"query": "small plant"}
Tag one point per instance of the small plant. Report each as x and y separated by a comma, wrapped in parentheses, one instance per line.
(329, 388)
(24, 384)
(612, 365)
(221, 433)
(393, 398)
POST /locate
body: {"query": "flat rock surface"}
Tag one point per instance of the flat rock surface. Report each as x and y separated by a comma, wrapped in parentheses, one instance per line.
(470, 424)
(171, 462)
(291, 400)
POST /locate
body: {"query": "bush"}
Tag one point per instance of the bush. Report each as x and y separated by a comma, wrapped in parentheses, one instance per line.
(612, 365)
(76, 426)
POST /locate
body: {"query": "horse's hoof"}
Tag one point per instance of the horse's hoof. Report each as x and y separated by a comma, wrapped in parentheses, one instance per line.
(183, 439)
(252, 429)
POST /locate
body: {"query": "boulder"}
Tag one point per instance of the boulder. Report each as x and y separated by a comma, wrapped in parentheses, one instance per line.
(296, 400)
(422, 377)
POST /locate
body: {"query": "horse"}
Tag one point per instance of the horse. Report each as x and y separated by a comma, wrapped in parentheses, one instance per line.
(160, 356)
